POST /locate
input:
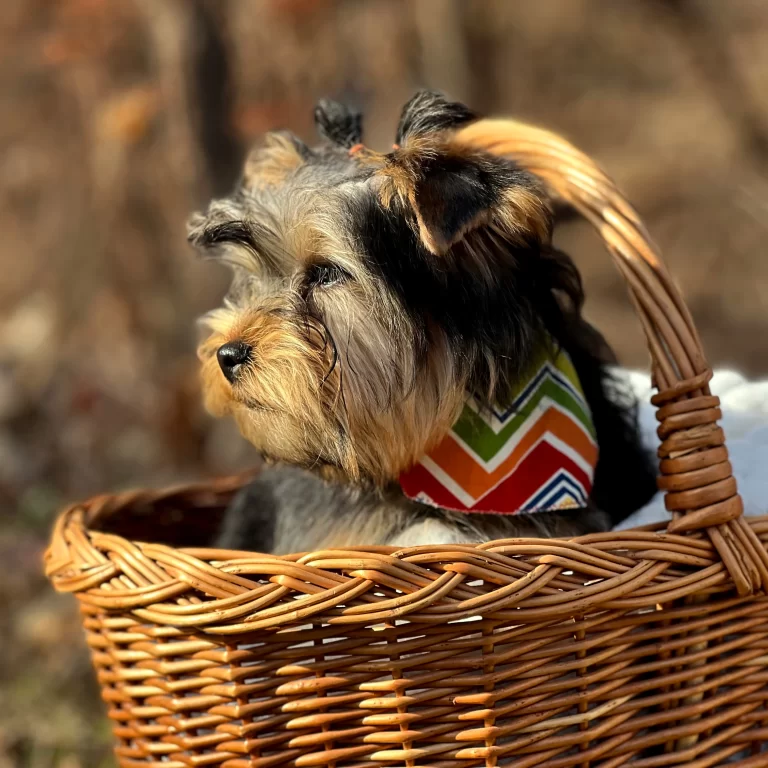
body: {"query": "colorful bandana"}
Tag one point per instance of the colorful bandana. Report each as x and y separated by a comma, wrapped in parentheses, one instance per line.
(538, 454)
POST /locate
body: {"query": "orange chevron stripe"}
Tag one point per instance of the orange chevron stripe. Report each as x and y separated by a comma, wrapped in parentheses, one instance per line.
(463, 468)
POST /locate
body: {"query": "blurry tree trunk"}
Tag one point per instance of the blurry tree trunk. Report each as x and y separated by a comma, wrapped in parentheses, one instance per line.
(192, 59)
(211, 88)
(170, 26)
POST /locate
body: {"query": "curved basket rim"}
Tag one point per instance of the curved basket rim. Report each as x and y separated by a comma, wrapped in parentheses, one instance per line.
(230, 592)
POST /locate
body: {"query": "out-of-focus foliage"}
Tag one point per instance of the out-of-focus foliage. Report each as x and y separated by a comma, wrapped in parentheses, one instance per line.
(117, 119)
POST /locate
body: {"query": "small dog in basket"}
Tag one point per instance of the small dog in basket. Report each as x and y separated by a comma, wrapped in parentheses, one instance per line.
(405, 347)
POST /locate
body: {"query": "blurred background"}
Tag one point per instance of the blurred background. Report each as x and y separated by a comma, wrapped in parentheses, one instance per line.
(118, 119)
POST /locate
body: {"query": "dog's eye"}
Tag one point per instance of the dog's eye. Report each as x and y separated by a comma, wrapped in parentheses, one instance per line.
(324, 275)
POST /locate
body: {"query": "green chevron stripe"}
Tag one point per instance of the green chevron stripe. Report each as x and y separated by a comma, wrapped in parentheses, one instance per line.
(486, 443)
(556, 358)
(565, 366)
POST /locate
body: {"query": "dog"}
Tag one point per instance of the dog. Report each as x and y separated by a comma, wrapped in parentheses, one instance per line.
(378, 300)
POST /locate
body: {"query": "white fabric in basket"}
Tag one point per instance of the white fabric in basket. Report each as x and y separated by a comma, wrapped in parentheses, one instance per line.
(745, 421)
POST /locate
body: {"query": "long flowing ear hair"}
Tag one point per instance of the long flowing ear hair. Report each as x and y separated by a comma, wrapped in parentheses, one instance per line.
(625, 476)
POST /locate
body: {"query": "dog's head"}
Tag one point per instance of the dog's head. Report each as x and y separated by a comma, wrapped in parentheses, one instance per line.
(372, 291)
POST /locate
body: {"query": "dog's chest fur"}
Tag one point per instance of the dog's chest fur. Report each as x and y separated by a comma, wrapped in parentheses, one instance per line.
(287, 509)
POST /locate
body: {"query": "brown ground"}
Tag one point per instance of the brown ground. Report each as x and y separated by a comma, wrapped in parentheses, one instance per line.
(118, 119)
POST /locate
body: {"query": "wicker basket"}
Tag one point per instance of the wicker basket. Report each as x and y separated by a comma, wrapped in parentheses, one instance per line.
(645, 648)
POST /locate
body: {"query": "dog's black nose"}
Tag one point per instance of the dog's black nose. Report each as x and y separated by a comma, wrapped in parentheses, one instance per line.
(231, 356)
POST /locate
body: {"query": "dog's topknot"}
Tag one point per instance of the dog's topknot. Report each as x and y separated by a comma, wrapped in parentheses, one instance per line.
(338, 123)
(430, 112)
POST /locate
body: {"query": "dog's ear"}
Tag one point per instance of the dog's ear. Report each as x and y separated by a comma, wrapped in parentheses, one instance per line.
(452, 188)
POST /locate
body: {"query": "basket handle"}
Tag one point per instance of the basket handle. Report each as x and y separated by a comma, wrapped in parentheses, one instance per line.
(696, 475)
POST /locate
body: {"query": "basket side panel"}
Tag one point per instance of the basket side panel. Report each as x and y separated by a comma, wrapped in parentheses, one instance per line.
(683, 683)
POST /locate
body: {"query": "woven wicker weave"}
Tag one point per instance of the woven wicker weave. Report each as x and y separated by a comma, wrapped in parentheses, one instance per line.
(644, 648)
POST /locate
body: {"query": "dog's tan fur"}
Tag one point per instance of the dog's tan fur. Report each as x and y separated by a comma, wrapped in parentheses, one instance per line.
(271, 164)
(291, 409)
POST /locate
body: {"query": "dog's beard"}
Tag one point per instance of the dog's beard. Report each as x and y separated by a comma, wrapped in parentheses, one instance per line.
(364, 394)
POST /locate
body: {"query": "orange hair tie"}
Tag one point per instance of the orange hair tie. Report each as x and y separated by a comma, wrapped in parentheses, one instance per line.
(355, 149)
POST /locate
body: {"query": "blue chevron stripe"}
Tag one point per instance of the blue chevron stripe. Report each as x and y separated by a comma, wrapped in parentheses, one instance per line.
(547, 370)
(560, 485)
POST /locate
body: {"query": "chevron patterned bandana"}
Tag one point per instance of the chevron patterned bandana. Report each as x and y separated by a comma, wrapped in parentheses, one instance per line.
(538, 454)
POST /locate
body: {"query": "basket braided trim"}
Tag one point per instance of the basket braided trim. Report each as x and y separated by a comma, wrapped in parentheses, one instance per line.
(528, 580)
